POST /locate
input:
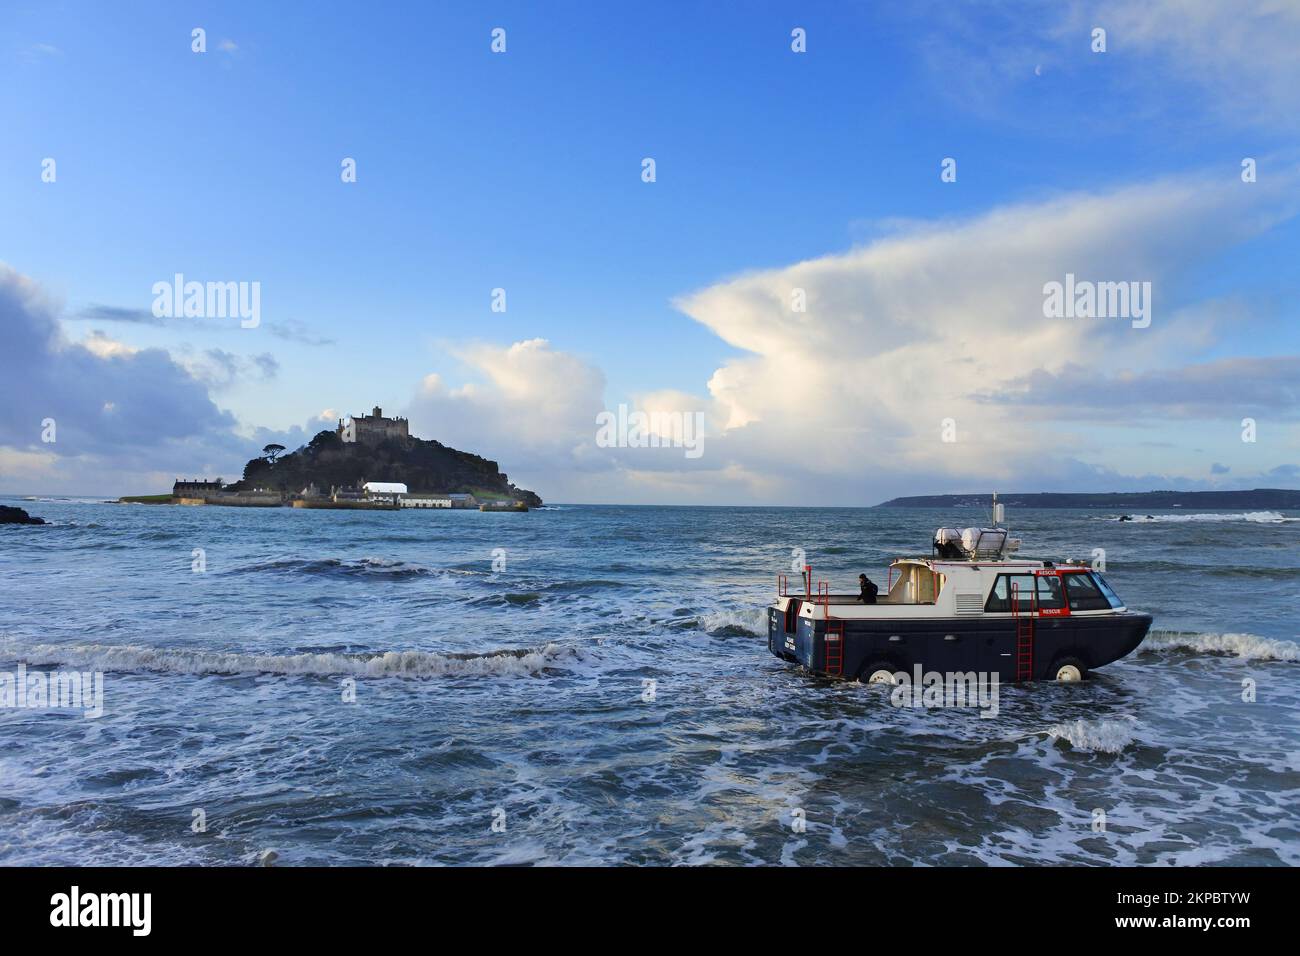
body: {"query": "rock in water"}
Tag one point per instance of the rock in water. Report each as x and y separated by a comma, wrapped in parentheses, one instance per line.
(17, 516)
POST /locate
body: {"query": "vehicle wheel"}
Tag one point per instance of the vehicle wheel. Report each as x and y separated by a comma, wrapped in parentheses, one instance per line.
(1068, 670)
(878, 673)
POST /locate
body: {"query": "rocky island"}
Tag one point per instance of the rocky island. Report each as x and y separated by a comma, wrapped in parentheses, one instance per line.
(10, 515)
(368, 461)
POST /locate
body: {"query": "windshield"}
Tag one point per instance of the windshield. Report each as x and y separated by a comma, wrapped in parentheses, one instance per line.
(1107, 590)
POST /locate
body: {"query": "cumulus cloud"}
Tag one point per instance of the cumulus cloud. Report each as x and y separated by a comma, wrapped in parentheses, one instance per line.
(534, 409)
(527, 402)
(937, 323)
(933, 324)
(1222, 389)
(124, 418)
(846, 401)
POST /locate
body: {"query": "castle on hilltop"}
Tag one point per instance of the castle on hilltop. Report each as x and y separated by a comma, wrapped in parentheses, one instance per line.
(373, 428)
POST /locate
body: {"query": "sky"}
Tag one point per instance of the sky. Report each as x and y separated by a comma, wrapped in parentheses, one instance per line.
(837, 270)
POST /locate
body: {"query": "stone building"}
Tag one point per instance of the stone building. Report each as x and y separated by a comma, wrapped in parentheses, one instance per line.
(373, 428)
(195, 487)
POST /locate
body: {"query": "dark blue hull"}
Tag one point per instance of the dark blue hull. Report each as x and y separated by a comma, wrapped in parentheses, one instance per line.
(985, 644)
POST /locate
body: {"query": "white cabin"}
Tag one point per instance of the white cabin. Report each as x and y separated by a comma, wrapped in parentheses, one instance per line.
(929, 588)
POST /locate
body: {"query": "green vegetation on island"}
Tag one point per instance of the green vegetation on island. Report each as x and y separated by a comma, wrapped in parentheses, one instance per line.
(379, 453)
(377, 449)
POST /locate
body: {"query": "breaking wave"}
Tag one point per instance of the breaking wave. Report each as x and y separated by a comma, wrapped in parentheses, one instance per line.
(69, 501)
(1246, 646)
(1097, 736)
(1255, 517)
(129, 658)
(751, 622)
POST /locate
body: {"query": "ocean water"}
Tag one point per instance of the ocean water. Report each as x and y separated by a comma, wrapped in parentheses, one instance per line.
(608, 698)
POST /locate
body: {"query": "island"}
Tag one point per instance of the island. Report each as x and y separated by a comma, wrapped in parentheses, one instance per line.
(1259, 499)
(367, 462)
(10, 515)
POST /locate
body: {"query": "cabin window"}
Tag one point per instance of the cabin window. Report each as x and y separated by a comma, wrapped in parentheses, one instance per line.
(1111, 596)
(1000, 596)
(1049, 592)
(1083, 594)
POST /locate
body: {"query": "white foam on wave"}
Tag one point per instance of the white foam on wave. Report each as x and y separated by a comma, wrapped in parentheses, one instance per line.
(1254, 517)
(1098, 736)
(751, 620)
(55, 500)
(411, 664)
(1246, 646)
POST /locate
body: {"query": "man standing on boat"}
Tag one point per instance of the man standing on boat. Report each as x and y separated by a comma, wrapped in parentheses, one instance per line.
(869, 590)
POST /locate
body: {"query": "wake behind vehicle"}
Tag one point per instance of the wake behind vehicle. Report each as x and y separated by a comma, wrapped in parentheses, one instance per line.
(967, 607)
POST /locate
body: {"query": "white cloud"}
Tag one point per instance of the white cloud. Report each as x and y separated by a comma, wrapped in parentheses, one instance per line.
(912, 329)
(104, 347)
(1237, 59)
(1243, 54)
(528, 403)
(844, 402)
(122, 416)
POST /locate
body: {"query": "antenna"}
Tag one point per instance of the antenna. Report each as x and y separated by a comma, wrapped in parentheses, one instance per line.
(998, 512)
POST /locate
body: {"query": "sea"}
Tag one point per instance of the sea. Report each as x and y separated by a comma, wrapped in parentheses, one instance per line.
(590, 685)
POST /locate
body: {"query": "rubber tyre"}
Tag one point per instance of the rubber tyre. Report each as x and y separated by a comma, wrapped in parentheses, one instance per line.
(879, 672)
(1069, 670)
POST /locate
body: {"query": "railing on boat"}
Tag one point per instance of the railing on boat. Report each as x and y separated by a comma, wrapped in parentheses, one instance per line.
(783, 583)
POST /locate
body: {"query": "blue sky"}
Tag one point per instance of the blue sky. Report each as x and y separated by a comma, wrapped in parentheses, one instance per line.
(522, 170)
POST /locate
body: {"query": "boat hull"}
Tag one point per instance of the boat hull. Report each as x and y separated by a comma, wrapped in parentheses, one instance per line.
(986, 643)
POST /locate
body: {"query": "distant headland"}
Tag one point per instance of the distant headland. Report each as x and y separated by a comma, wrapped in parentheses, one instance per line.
(367, 462)
(1259, 498)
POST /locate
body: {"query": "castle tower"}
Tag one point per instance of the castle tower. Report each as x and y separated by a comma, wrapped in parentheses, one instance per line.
(374, 428)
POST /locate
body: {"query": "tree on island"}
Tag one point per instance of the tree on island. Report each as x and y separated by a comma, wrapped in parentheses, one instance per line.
(271, 452)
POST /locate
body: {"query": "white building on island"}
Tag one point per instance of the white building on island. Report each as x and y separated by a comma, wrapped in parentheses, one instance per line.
(425, 501)
(384, 488)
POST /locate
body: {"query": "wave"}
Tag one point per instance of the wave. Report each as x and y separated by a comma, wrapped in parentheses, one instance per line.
(368, 567)
(1254, 517)
(1097, 736)
(1231, 570)
(1246, 646)
(751, 622)
(70, 501)
(131, 658)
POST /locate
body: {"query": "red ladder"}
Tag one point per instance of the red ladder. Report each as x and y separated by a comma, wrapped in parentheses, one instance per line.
(834, 644)
(833, 639)
(1024, 635)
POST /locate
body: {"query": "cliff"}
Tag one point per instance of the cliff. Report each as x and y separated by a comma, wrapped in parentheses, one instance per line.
(423, 466)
